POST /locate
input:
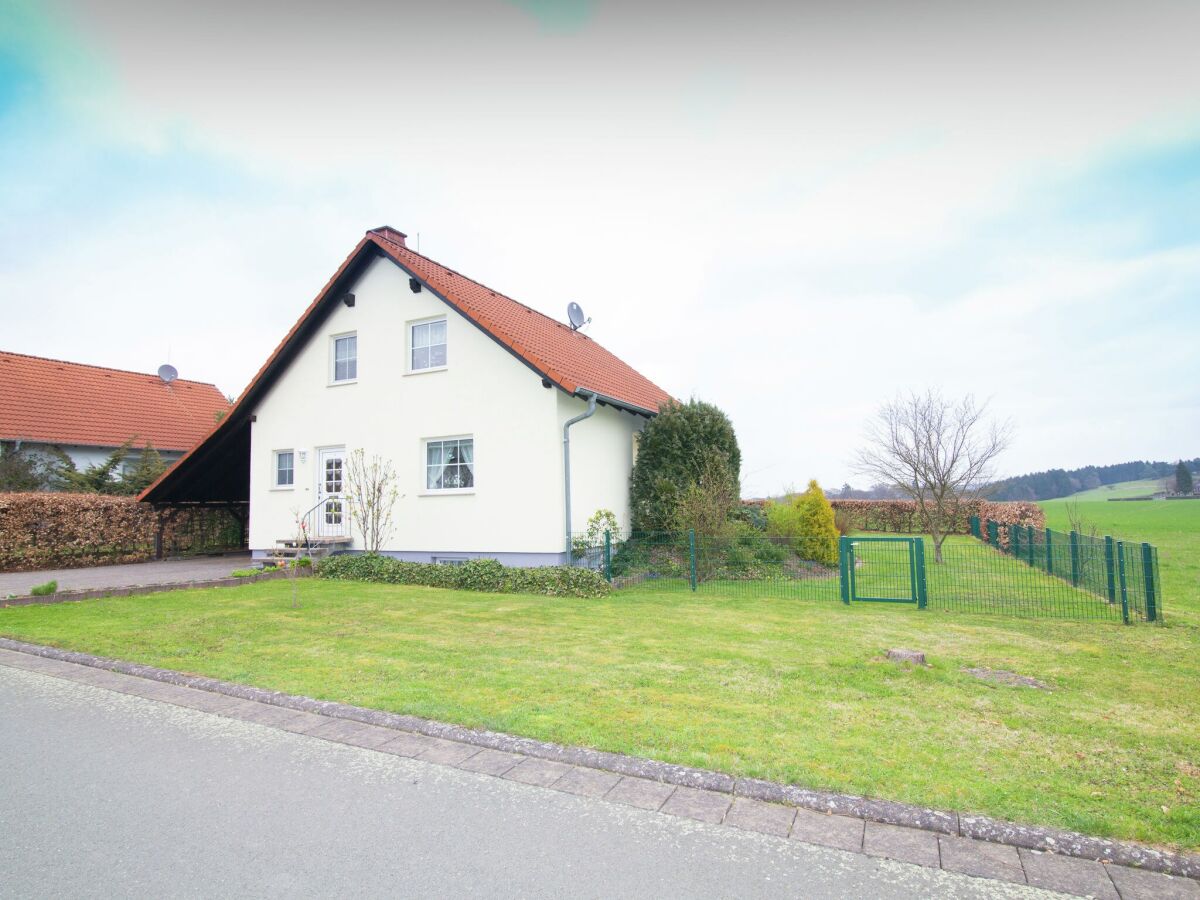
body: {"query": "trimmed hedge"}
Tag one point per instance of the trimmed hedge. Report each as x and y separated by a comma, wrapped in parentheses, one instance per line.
(901, 517)
(52, 531)
(473, 575)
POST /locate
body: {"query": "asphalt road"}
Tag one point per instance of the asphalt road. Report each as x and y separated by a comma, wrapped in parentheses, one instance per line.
(105, 794)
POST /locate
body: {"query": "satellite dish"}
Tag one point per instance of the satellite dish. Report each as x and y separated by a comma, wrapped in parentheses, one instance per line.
(575, 314)
(167, 373)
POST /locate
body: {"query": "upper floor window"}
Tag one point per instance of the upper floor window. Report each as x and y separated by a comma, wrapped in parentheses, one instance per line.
(427, 345)
(285, 468)
(345, 357)
(450, 465)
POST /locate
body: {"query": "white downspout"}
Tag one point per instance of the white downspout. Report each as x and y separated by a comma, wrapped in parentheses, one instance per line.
(588, 413)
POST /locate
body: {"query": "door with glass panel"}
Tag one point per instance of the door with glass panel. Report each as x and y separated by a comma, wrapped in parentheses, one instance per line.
(331, 514)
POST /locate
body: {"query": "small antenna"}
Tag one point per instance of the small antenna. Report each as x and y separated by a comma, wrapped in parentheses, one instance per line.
(575, 315)
(167, 373)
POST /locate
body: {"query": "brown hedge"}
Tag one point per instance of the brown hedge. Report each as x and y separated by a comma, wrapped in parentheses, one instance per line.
(901, 516)
(49, 531)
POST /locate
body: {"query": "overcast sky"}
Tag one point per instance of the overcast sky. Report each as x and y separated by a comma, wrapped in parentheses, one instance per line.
(792, 210)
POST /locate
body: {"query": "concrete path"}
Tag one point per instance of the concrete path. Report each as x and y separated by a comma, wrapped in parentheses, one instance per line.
(166, 571)
(110, 794)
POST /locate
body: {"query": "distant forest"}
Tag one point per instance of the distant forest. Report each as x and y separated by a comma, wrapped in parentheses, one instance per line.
(1062, 482)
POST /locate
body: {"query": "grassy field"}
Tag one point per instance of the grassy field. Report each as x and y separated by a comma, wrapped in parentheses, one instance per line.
(795, 690)
(1171, 525)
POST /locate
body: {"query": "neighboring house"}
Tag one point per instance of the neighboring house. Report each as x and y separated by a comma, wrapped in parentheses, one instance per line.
(465, 391)
(88, 411)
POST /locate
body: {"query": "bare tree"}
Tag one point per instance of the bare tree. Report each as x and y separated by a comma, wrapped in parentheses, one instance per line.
(371, 494)
(1078, 523)
(935, 451)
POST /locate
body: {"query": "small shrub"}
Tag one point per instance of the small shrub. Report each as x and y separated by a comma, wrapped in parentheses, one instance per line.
(246, 573)
(602, 520)
(843, 521)
(807, 521)
(44, 590)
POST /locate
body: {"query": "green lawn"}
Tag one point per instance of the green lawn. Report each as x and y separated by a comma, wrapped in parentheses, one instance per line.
(794, 690)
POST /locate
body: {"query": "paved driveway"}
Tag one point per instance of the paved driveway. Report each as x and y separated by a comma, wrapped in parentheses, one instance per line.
(107, 794)
(167, 571)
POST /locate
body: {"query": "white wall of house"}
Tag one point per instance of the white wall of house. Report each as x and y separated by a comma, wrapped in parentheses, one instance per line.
(513, 513)
(601, 460)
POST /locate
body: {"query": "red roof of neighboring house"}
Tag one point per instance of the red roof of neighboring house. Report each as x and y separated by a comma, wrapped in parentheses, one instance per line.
(56, 402)
(568, 358)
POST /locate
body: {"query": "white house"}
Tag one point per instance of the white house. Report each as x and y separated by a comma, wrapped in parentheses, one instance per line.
(468, 393)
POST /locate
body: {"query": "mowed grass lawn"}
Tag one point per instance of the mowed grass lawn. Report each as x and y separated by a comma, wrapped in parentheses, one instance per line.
(793, 690)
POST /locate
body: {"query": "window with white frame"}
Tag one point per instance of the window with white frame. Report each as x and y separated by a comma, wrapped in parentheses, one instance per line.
(450, 464)
(427, 342)
(345, 357)
(285, 468)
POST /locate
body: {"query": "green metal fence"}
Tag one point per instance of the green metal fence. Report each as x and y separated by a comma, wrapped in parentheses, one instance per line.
(1014, 571)
(1122, 573)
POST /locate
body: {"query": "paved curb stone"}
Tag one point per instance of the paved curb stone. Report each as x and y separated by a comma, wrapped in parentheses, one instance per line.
(886, 812)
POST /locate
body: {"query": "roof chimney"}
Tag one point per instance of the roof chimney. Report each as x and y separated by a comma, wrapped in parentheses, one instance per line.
(388, 233)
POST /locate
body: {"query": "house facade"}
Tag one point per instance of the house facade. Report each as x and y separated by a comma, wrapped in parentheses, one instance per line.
(85, 412)
(465, 392)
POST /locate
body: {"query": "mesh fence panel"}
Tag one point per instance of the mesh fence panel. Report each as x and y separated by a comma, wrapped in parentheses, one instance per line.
(1015, 570)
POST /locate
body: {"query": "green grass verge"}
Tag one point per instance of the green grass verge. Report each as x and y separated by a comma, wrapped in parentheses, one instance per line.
(793, 690)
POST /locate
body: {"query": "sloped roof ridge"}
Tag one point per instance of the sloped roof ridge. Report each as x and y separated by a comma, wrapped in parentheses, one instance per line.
(67, 362)
(526, 306)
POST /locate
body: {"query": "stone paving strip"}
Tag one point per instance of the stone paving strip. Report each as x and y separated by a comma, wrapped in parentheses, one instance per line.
(968, 845)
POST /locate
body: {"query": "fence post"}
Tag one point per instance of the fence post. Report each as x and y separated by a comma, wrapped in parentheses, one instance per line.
(922, 588)
(1029, 541)
(1049, 552)
(1151, 587)
(844, 567)
(607, 555)
(1110, 571)
(1121, 578)
(993, 534)
(692, 554)
(1075, 558)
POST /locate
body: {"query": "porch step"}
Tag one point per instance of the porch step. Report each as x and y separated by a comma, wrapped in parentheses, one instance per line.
(288, 549)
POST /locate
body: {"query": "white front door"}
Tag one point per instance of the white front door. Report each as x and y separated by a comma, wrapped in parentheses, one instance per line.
(332, 513)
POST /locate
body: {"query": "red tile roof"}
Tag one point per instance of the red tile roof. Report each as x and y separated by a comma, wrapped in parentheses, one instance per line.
(52, 401)
(569, 358)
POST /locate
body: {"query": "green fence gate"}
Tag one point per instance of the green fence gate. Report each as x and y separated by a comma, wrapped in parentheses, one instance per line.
(883, 570)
